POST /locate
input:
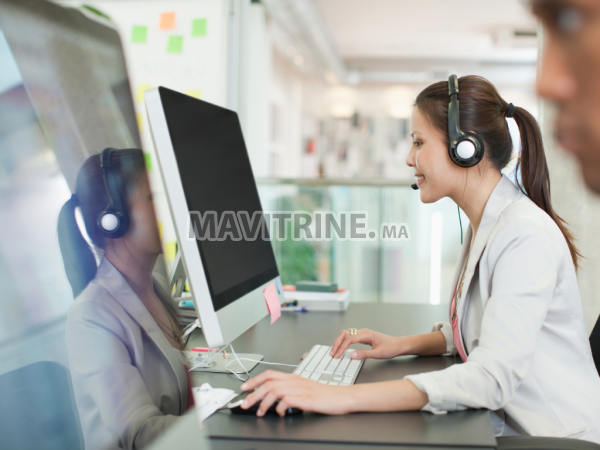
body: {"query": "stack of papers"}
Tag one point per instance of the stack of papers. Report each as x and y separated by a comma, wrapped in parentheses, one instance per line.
(316, 301)
(208, 399)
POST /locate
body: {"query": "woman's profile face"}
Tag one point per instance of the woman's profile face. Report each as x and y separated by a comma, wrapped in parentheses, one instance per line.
(143, 231)
(435, 172)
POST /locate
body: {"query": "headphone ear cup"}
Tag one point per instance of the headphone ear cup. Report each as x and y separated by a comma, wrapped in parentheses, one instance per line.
(109, 222)
(465, 149)
(468, 152)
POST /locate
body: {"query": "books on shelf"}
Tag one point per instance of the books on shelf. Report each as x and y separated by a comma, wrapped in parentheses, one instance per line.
(295, 300)
(186, 312)
(316, 301)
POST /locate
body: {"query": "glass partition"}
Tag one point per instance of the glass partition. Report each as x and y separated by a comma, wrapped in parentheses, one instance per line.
(415, 270)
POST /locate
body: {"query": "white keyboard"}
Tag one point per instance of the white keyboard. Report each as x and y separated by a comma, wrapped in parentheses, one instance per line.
(320, 366)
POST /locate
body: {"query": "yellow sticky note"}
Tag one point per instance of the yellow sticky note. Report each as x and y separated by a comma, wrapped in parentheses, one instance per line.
(140, 91)
(171, 250)
(140, 120)
(167, 21)
(160, 227)
(194, 93)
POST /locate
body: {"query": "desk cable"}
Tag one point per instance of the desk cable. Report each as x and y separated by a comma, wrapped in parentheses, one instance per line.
(206, 362)
(253, 360)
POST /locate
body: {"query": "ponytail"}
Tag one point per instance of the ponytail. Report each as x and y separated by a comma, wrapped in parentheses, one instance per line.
(79, 261)
(535, 178)
(482, 109)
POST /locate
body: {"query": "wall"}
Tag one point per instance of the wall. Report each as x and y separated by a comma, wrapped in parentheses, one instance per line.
(181, 45)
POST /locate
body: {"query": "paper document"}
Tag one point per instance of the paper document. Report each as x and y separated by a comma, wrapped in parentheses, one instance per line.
(208, 399)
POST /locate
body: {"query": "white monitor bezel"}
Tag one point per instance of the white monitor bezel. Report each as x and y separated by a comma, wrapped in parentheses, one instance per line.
(219, 327)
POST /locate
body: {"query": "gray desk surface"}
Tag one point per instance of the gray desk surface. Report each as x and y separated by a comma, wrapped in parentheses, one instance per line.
(295, 333)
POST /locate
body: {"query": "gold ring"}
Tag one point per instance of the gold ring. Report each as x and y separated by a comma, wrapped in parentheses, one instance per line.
(353, 331)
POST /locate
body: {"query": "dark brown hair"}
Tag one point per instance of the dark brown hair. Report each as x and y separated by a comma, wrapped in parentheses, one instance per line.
(483, 111)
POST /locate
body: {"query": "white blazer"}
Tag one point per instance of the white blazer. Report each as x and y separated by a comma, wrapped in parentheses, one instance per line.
(129, 383)
(521, 323)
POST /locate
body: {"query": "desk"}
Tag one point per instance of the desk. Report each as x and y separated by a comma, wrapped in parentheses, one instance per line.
(295, 333)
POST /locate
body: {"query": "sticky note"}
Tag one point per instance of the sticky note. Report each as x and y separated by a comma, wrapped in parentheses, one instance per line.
(175, 44)
(139, 34)
(170, 250)
(167, 21)
(139, 97)
(140, 120)
(194, 93)
(148, 160)
(160, 227)
(199, 27)
(272, 302)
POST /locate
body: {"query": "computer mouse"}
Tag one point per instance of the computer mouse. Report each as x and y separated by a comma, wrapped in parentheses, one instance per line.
(235, 406)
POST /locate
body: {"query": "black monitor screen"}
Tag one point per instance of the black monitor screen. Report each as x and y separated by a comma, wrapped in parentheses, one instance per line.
(217, 178)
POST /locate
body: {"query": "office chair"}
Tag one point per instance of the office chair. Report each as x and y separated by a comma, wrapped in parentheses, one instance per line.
(595, 344)
(37, 409)
(536, 442)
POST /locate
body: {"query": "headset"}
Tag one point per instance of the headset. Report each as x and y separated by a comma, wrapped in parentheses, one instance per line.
(113, 221)
(466, 149)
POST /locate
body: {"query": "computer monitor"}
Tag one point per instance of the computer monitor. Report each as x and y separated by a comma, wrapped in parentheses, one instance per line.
(207, 174)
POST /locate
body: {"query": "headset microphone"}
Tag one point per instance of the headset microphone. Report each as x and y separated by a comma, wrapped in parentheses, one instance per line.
(414, 186)
(113, 221)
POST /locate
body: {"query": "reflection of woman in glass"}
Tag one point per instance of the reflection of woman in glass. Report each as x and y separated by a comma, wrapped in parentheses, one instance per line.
(123, 335)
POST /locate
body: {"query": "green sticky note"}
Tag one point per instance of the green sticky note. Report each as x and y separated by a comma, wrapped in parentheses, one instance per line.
(175, 44)
(139, 34)
(199, 27)
(148, 159)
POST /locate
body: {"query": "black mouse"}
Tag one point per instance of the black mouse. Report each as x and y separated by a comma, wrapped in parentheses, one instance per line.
(236, 408)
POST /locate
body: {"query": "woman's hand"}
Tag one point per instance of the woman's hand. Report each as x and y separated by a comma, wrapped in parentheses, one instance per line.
(384, 346)
(296, 392)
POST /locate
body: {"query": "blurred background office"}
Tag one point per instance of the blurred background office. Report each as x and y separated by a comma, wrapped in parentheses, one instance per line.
(323, 89)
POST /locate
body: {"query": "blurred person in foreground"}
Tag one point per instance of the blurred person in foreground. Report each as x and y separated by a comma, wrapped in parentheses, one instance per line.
(570, 77)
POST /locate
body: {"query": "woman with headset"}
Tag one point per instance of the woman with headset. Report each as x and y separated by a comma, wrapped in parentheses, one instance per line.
(123, 336)
(515, 319)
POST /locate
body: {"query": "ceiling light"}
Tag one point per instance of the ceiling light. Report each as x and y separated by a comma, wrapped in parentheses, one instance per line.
(342, 110)
(400, 111)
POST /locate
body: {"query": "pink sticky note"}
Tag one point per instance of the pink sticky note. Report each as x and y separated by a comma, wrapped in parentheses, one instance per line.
(272, 302)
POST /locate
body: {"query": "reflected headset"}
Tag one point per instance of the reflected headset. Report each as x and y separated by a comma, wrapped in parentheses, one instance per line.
(466, 149)
(113, 220)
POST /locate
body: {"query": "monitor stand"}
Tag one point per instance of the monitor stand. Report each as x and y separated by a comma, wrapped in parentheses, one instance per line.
(177, 282)
(220, 362)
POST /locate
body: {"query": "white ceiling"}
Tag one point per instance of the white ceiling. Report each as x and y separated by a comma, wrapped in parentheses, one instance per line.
(396, 34)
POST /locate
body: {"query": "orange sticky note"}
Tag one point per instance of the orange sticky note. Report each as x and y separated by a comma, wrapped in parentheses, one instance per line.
(272, 302)
(167, 21)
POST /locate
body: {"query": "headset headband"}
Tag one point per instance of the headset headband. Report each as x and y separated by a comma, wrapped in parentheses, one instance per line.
(112, 188)
(465, 148)
(114, 220)
(453, 110)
